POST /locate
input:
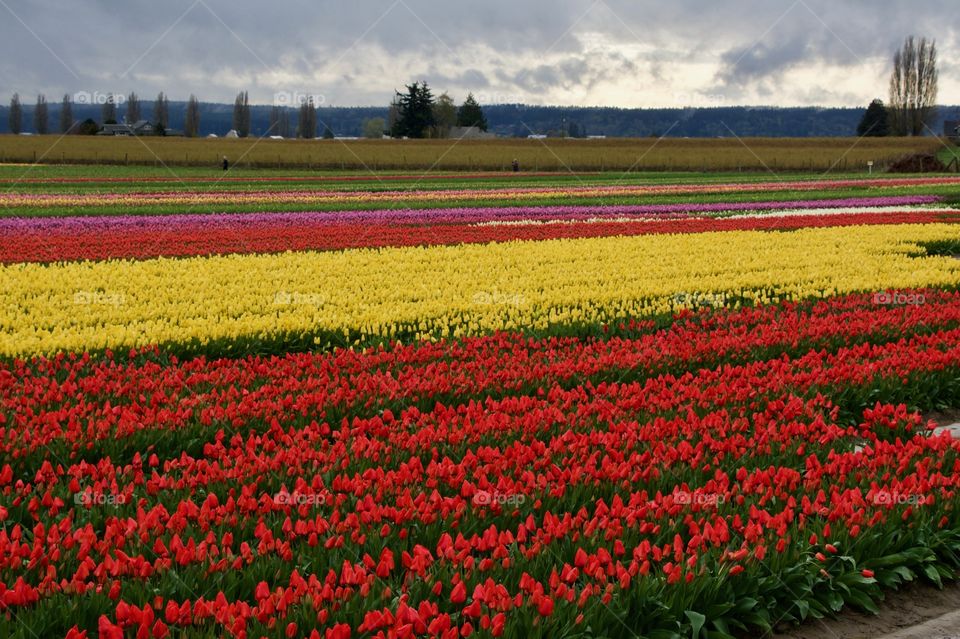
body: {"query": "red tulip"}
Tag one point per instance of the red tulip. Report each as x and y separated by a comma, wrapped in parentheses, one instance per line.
(459, 593)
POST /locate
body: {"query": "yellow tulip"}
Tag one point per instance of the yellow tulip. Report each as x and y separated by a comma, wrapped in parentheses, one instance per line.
(449, 290)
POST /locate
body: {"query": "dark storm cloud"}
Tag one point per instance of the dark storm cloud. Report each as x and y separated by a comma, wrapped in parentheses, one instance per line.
(356, 52)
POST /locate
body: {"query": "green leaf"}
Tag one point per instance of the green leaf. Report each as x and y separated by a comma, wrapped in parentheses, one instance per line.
(855, 578)
(696, 622)
(863, 601)
(834, 601)
(905, 573)
(933, 575)
(746, 604)
(888, 579)
(760, 619)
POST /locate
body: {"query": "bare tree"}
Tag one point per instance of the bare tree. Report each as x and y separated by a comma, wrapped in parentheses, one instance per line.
(280, 121)
(108, 112)
(444, 116)
(66, 114)
(40, 115)
(373, 128)
(161, 111)
(241, 114)
(307, 121)
(133, 108)
(393, 114)
(191, 121)
(913, 87)
(16, 114)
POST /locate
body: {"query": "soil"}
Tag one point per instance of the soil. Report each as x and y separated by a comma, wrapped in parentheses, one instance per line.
(911, 606)
(918, 163)
(947, 417)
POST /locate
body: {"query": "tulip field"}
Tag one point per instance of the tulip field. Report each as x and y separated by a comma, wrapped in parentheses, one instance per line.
(472, 405)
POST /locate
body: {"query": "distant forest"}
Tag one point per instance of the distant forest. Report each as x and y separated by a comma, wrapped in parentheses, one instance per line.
(521, 120)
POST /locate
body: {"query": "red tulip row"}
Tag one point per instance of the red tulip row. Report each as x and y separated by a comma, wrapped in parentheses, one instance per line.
(103, 400)
(51, 245)
(716, 474)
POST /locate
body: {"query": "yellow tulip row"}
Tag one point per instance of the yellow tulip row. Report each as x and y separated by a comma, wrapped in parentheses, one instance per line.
(448, 291)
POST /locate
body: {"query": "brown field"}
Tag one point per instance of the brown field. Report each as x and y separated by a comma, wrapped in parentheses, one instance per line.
(645, 154)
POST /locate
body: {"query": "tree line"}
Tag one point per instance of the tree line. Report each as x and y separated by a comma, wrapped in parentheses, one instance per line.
(109, 114)
(413, 114)
(132, 113)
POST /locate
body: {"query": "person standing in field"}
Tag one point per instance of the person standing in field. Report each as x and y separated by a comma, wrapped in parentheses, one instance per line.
(226, 163)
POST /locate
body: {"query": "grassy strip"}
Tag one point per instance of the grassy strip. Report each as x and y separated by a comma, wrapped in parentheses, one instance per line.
(951, 195)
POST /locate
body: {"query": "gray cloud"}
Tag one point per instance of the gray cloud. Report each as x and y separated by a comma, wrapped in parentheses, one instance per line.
(595, 51)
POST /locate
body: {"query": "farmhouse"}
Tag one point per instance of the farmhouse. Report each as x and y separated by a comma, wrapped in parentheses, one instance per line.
(140, 127)
(470, 133)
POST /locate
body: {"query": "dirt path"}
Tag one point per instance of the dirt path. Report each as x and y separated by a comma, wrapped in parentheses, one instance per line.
(944, 418)
(901, 611)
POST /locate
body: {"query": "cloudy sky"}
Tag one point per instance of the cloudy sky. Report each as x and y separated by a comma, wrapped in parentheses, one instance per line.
(631, 53)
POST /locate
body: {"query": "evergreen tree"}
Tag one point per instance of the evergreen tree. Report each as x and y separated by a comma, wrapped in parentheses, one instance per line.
(875, 123)
(471, 114)
(415, 112)
(88, 127)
